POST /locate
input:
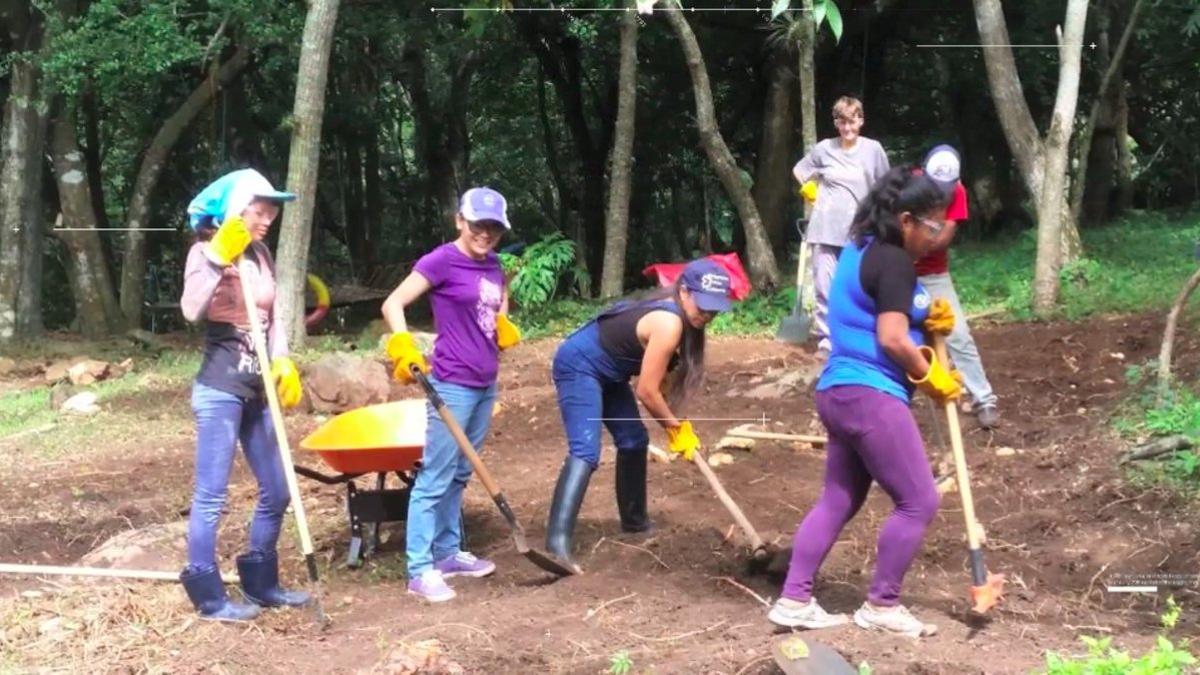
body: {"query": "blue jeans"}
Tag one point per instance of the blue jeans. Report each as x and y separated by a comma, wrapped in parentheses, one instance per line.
(222, 419)
(435, 505)
(592, 388)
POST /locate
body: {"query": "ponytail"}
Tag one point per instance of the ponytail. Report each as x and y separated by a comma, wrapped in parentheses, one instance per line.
(904, 188)
(686, 372)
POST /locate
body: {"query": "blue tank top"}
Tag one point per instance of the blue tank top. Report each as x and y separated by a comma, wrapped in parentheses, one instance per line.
(857, 357)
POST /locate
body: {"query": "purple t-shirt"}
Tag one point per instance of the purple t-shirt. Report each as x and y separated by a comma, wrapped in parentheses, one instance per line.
(465, 298)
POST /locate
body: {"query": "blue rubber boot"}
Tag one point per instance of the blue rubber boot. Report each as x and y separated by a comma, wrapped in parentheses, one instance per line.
(260, 581)
(207, 593)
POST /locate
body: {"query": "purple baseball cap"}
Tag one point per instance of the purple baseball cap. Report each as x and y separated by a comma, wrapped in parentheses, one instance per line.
(484, 203)
(709, 284)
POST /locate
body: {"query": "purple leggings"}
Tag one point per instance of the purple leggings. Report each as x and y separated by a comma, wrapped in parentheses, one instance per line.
(872, 436)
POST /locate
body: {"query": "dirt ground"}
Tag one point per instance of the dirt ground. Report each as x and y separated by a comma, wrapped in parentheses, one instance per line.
(1062, 521)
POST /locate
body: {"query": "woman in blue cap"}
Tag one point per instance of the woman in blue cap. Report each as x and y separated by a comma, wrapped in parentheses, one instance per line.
(230, 218)
(592, 370)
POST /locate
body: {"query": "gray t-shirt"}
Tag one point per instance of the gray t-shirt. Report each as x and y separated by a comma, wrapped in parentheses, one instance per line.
(843, 179)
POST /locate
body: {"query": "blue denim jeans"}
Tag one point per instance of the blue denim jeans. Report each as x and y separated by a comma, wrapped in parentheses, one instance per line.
(223, 419)
(434, 524)
(591, 389)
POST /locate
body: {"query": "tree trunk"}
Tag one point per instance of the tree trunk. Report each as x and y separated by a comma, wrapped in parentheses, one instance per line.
(1124, 200)
(96, 309)
(1007, 94)
(764, 272)
(21, 206)
(133, 266)
(1106, 101)
(616, 220)
(1055, 226)
(773, 175)
(1168, 341)
(805, 46)
(304, 159)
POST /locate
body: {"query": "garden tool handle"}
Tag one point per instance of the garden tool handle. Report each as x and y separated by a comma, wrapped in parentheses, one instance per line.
(285, 451)
(743, 522)
(960, 459)
(456, 431)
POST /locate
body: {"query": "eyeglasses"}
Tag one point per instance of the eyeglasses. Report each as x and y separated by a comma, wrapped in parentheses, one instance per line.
(488, 227)
(934, 226)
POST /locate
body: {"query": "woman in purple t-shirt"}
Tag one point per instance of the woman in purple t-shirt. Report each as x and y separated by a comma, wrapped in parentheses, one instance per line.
(470, 306)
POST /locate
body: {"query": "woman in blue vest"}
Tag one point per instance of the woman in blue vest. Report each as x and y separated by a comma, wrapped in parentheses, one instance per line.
(876, 312)
(592, 370)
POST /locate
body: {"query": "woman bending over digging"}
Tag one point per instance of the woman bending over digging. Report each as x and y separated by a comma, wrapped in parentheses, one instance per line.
(470, 305)
(592, 369)
(230, 218)
(876, 308)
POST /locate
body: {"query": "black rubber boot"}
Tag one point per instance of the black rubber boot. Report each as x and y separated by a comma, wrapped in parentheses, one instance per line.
(564, 510)
(631, 490)
(260, 581)
(207, 593)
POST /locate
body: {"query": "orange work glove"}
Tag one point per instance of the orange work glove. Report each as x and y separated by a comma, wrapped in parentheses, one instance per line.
(403, 352)
(507, 333)
(941, 318)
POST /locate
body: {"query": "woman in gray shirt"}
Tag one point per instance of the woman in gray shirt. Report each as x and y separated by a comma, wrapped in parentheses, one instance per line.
(845, 168)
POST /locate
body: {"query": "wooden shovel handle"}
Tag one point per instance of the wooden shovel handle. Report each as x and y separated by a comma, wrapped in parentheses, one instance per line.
(960, 458)
(701, 463)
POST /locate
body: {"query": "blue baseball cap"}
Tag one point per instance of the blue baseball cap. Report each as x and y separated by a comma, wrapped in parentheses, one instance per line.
(229, 195)
(709, 284)
(484, 203)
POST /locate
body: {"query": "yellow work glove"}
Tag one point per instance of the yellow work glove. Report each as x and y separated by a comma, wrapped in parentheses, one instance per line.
(507, 333)
(683, 440)
(941, 318)
(809, 191)
(403, 352)
(287, 381)
(229, 242)
(940, 384)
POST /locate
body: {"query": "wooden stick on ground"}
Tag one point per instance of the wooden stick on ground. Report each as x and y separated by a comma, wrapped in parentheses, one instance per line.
(112, 573)
(772, 436)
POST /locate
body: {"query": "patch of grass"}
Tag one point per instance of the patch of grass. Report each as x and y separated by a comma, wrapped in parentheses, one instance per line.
(1126, 267)
(1142, 416)
(555, 318)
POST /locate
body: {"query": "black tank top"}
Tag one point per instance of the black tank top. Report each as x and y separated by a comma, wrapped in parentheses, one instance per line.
(618, 332)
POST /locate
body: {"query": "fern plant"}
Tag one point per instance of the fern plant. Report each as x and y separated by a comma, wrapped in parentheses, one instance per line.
(535, 274)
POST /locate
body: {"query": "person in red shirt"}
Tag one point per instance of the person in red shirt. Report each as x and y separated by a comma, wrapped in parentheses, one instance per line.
(942, 164)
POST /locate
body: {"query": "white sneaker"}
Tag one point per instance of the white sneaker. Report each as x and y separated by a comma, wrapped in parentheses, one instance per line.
(794, 614)
(431, 586)
(896, 620)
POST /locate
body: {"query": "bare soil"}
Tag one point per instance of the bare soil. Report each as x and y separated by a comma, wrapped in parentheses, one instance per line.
(1062, 522)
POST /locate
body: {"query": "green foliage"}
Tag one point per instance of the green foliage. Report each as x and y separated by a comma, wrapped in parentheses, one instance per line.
(756, 315)
(1144, 415)
(555, 318)
(1166, 658)
(537, 271)
(1128, 265)
(620, 663)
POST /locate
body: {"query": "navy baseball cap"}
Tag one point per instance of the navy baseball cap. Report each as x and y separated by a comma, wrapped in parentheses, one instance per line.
(709, 284)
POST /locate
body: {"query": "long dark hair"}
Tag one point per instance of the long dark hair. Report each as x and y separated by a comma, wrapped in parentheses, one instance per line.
(687, 373)
(904, 188)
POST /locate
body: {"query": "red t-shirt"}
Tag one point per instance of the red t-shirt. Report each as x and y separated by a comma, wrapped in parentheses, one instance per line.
(938, 262)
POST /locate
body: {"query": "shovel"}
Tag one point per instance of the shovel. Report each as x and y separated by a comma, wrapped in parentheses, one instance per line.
(986, 589)
(795, 327)
(763, 557)
(285, 450)
(538, 558)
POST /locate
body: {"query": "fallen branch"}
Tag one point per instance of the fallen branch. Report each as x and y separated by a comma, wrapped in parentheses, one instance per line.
(29, 432)
(1160, 446)
(672, 638)
(639, 548)
(732, 582)
(606, 603)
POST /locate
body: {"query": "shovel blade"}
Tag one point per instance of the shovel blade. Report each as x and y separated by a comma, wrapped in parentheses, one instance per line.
(794, 329)
(986, 596)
